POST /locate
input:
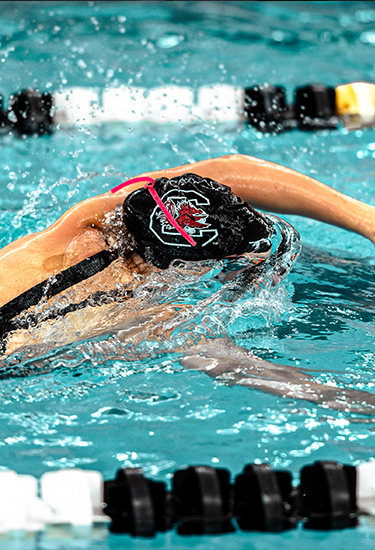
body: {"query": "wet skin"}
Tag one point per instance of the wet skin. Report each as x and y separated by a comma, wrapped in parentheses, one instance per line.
(78, 234)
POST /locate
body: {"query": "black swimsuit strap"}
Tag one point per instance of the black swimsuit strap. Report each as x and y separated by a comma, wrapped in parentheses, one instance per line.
(95, 299)
(54, 285)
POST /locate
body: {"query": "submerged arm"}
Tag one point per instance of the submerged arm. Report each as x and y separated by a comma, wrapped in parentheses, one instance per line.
(220, 358)
(231, 364)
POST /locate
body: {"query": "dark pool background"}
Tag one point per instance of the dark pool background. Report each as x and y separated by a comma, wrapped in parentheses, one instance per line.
(93, 412)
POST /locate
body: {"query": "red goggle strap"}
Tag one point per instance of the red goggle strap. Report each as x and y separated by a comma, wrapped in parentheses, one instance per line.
(159, 202)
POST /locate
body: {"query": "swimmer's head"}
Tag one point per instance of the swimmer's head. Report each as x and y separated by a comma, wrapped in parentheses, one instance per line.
(220, 223)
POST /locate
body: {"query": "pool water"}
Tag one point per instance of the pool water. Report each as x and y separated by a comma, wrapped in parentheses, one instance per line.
(102, 411)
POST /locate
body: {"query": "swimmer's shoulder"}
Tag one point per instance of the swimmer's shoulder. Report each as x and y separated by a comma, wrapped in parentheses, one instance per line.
(33, 258)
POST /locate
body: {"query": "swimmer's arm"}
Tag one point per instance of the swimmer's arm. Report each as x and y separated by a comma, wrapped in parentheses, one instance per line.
(234, 365)
(263, 184)
(275, 188)
(77, 233)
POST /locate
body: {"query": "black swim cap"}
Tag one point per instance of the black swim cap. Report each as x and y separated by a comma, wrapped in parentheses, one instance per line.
(219, 222)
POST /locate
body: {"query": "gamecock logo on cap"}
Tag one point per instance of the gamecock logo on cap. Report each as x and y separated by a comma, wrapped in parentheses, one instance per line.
(189, 213)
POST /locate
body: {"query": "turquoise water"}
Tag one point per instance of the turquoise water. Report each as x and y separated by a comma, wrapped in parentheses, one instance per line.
(97, 411)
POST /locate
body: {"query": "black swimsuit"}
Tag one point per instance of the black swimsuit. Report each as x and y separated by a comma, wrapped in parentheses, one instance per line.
(278, 263)
(51, 287)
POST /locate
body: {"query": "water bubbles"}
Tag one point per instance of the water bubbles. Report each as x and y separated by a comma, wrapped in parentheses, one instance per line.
(368, 37)
(303, 452)
(204, 412)
(169, 41)
(81, 64)
(78, 49)
(63, 78)
(365, 16)
(278, 36)
(151, 463)
(12, 116)
(368, 151)
(345, 20)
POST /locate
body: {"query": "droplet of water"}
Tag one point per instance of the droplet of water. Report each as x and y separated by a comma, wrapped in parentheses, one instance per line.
(169, 41)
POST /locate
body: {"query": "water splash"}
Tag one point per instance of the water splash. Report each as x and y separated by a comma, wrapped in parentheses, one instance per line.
(169, 310)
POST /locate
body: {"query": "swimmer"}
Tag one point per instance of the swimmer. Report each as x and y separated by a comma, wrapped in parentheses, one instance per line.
(79, 233)
(186, 218)
(105, 246)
